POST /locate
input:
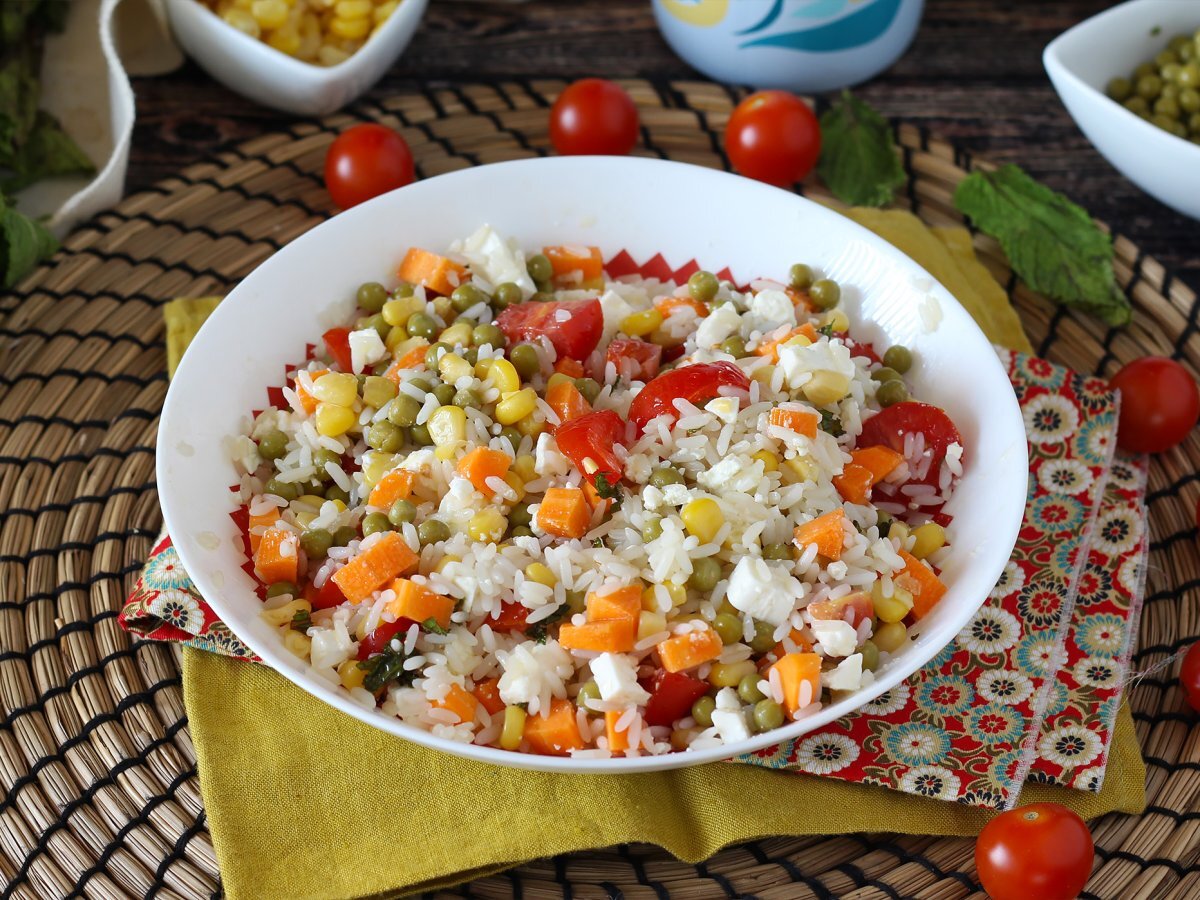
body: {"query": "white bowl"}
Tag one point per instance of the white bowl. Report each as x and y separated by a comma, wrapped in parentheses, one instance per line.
(263, 74)
(1081, 62)
(640, 205)
(797, 45)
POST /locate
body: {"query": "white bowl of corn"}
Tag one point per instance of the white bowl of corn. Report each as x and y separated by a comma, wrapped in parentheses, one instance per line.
(308, 57)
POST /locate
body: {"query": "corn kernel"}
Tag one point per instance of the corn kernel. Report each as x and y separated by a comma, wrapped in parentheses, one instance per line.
(445, 561)
(649, 599)
(399, 310)
(448, 426)
(331, 56)
(383, 10)
(541, 574)
(350, 28)
(763, 374)
(515, 406)
(514, 728)
(395, 337)
(826, 387)
(283, 615)
(407, 345)
(297, 643)
(650, 623)
(890, 637)
(243, 21)
(558, 378)
(893, 608)
(677, 593)
(285, 40)
(269, 13)
(729, 674)
(928, 539)
(503, 375)
(797, 341)
(899, 531)
(526, 467)
(487, 525)
(769, 460)
(376, 464)
(530, 427)
(458, 334)
(703, 518)
(351, 675)
(352, 9)
(447, 453)
(377, 391)
(799, 469)
(340, 388)
(513, 480)
(837, 321)
(453, 367)
(333, 420)
(642, 323)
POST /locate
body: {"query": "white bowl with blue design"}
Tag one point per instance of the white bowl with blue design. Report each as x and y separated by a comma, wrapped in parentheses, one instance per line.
(798, 45)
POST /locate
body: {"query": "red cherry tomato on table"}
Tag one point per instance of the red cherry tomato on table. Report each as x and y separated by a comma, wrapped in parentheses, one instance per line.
(574, 327)
(1042, 850)
(364, 162)
(592, 437)
(1159, 404)
(695, 383)
(1189, 676)
(773, 136)
(593, 116)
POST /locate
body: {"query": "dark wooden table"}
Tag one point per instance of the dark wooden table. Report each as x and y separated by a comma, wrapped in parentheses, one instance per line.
(973, 75)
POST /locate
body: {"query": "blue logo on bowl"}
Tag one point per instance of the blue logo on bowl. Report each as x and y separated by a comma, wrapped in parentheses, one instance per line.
(861, 26)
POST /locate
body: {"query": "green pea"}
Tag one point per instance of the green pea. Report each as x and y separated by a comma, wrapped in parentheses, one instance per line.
(703, 286)
(870, 656)
(1178, 41)
(420, 435)
(421, 325)
(1189, 100)
(768, 715)
(1189, 76)
(728, 627)
(542, 297)
(539, 268)
(288, 490)
(316, 542)
(403, 289)
(764, 637)
(506, 294)
(702, 711)
(402, 512)
(375, 522)
(467, 398)
(898, 357)
(706, 572)
(520, 531)
(385, 436)
(748, 689)
(1170, 74)
(1194, 123)
(377, 322)
(825, 294)
(272, 445)
(800, 277)
(279, 588)
(314, 489)
(589, 387)
(333, 492)
(490, 334)
(525, 360)
(660, 478)
(1167, 106)
(891, 392)
(371, 296)
(403, 411)
(885, 373)
(445, 394)
(421, 384)
(431, 531)
(589, 690)
(777, 551)
(434, 353)
(322, 458)
(471, 355)
(652, 529)
(1149, 86)
(1138, 106)
(1142, 71)
(465, 296)
(1165, 58)
(1120, 89)
(734, 346)
(576, 602)
(520, 515)
(513, 437)
(344, 536)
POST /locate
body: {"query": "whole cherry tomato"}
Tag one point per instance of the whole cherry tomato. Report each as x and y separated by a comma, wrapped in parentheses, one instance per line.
(364, 162)
(1042, 850)
(773, 136)
(1189, 676)
(593, 116)
(695, 383)
(1159, 404)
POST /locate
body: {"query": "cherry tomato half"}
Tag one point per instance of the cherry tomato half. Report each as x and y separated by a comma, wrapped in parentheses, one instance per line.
(634, 360)
(337, 342)
(1189, 676)
(592, 437)
(695, 383)
(1159, 404)
(671, 697)
(1042, 850)
(378, 640)
(364, 162)
(574, 327)
(773, 136)
(892, 424)
(593, 116)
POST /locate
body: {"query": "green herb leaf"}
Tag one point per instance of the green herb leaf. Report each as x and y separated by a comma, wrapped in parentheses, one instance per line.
(858, 161)
(431, 625)
(831, 424)
(302, 620)
(45, 152)
(826, 330)
(18, 108)
(1050, 242)
(24, 243)
(608, 490)
(538, 630)
(385, 668)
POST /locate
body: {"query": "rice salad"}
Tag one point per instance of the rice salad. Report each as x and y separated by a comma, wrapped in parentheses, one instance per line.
(521, 503)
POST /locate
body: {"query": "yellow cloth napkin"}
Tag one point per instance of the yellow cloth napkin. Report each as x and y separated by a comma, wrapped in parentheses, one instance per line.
(303, 801)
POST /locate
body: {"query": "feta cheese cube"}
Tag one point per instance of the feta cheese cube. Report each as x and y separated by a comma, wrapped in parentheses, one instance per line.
(767, 310)
(616, 676)
(824, 356)
(764, 592)
(676, 494)
(460, 502)
(718, 325)
(331, 647)
(727, 698)
(547, 461)
(734, 474)
(847, 676)
(730, 725)
(496, 261)
(615, 308)
(836, 637)
(366, 349)
(726, 409)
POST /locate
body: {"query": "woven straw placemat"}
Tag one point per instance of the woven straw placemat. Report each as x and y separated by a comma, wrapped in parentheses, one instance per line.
(100, 796)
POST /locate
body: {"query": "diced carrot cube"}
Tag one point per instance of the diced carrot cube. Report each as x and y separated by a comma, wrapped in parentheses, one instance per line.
(780, 650)
(879, 460)
(568, 260)
(828, 532)
(795, 670)
(258, 525)
(409, 359)
(487, 692)
(869, 467)
(460, 702)
(435, 272)
(618, 741)
(665, 305)
(278, 556)
(566, 401)
(922, 582)
(307, 401)
(622, 605)
(611, 636)
(855, 483)
(483, 463)
(685, 651)
(564, 365)
(555, 734)
(387, 558)
(395, 485)
(769, 346)
(801, 421)
(564, 513)
(417, 602)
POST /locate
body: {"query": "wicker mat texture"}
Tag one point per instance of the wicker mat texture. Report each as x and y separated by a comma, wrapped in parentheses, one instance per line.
(100, 795)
